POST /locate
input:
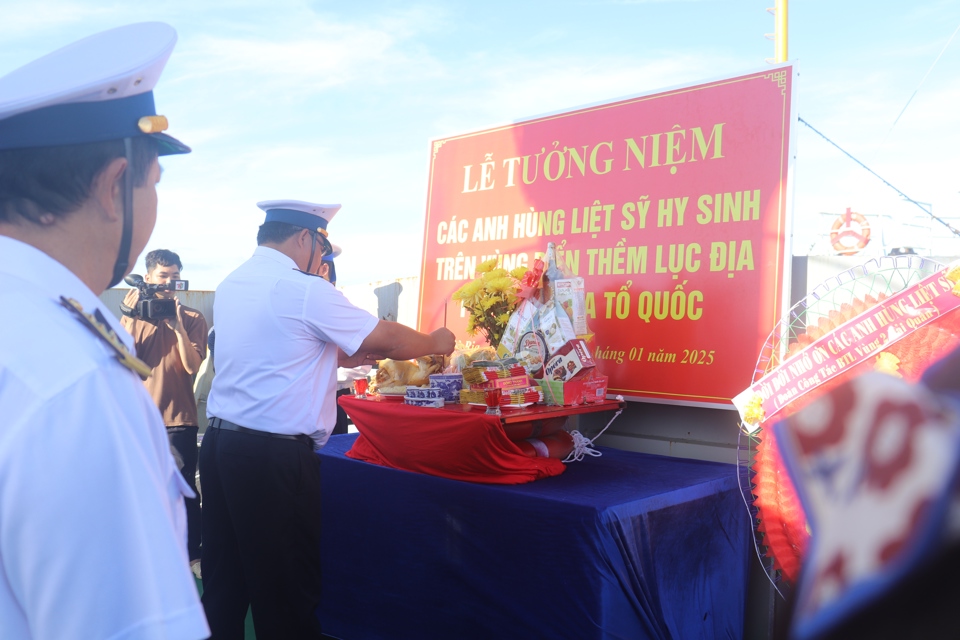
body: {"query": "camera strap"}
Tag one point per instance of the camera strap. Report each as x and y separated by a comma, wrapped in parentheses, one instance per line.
(313, 249)
(325, 249)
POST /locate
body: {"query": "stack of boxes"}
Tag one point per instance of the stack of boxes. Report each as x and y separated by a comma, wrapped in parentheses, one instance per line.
(517, 389)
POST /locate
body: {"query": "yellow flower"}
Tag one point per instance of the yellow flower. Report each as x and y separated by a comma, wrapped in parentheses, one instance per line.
(494, 274)
(501, 284)
(488, 302)
(490, 299)
(468, 291)
(487, 265)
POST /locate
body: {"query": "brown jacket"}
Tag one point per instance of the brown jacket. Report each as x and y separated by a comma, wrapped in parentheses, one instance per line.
(169, 384)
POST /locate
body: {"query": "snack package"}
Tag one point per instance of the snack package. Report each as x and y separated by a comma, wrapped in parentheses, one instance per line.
(464, 356)
(590, 388)
(571, 361)
(484, 371)
(521, 318)
(569, 295)
(555, 326)
(532, 353)
(512, 397)
(512, 382)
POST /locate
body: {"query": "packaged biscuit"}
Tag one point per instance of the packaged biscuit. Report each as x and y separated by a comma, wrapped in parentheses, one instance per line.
(513, 382)
(482, 372)
(571, 361)
(514, 397)
(532, 353)
(465, 356)
(555, 326)
(519, 323)
(569, 295)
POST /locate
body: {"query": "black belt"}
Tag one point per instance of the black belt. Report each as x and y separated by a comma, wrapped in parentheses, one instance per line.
(226, 425)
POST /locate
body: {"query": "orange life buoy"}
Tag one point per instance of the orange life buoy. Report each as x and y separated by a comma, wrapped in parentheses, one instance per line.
(844, 229)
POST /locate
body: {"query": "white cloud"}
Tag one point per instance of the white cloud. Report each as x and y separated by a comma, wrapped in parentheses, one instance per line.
(323, 101)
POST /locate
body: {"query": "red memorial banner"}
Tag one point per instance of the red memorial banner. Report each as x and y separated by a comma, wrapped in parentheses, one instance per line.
(671, 206)
(854, 341)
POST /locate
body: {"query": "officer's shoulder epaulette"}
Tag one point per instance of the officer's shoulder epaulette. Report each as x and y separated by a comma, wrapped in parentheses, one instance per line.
(307, 273)
(101, 328)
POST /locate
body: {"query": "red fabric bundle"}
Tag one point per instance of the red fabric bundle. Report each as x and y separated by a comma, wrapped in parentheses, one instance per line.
(460, 445)
(557, 445)
(518, 431)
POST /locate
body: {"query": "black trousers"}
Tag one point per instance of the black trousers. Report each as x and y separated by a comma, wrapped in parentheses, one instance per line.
(261, 535)
(341, 426)
(184, 440)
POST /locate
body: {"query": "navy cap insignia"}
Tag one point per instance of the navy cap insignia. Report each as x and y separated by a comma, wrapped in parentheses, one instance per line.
(153, 124)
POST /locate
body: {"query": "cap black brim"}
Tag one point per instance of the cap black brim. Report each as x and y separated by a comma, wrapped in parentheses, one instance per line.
(327, 247)
(169, 145)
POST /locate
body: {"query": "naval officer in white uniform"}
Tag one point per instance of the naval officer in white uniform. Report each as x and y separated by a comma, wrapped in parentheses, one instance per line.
(92, 520)
(281, 333)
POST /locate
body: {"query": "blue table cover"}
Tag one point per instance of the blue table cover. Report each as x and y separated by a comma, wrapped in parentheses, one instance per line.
(626, 545)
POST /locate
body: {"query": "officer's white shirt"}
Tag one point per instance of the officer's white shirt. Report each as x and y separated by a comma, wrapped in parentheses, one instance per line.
(92, 519)
(278, 330)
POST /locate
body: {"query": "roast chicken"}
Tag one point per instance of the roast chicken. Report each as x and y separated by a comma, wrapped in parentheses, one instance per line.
(396, 375)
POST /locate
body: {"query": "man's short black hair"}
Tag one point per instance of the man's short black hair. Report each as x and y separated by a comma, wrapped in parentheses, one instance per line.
(57, 180)
(276, 232)
(162, 258)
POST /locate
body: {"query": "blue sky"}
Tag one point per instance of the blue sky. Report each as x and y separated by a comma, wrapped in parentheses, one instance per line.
(337, 101)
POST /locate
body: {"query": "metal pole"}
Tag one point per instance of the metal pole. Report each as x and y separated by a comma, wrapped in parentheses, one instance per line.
(780, 42)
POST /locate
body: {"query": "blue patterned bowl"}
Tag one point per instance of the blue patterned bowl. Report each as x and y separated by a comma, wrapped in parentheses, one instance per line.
(449, 383)
(424, 393)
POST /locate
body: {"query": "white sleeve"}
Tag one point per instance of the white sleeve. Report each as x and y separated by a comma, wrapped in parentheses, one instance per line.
(92, 518)
(335, 319)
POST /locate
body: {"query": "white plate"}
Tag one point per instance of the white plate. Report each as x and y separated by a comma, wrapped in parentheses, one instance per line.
(401, 393)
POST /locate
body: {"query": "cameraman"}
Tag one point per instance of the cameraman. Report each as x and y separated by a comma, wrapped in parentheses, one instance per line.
(173, 347)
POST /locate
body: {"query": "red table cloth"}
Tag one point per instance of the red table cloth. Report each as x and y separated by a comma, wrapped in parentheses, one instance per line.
(458, 444)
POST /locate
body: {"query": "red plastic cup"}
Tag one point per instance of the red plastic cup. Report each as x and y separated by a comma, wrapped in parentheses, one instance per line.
(360, 387)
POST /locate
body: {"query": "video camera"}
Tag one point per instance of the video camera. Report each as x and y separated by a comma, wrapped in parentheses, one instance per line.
(150, 307)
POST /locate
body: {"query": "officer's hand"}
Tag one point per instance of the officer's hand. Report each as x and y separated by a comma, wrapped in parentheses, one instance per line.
(444, 341)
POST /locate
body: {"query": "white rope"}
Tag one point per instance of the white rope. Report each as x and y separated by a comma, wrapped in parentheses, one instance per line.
(583, 446)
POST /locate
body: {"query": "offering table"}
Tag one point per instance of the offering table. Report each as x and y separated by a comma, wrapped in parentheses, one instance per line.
(625, 545)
